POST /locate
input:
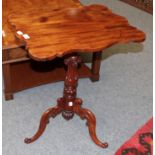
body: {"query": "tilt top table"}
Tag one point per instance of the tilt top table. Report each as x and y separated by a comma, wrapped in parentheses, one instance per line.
(64, 31)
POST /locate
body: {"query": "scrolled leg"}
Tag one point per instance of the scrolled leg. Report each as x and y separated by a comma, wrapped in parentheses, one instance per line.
(51, 112)
(91, 123)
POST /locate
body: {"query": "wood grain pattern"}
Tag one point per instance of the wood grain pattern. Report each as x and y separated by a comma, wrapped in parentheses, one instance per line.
(67, 28)
(24, 6)
(15, 66)
(71, 27)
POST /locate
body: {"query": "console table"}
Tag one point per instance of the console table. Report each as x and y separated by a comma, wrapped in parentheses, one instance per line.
(62, 32)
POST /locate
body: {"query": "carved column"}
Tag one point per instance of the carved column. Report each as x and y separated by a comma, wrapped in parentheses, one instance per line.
(70, 86)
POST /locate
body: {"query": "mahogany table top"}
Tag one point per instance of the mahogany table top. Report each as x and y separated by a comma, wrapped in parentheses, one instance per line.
(22, 6)
(55, 28)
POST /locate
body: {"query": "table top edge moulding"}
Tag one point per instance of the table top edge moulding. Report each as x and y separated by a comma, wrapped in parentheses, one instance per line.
(56, 33)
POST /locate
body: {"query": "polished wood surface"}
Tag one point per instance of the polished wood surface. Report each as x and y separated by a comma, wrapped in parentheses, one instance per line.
(24, 6)
(69, 27)
(13, 65)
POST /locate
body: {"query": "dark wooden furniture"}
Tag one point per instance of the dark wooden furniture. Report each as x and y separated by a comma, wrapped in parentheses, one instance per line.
(19, 71)
(69, 104)
(146, 5)
(65, 31)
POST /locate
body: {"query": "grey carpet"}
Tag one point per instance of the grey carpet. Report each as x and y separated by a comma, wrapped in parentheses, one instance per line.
(121, 100)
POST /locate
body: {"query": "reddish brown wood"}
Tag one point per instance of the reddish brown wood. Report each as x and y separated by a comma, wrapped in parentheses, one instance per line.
(58, 24)
(96, 63)
(20, 7)
(73, 29)
(51, 112)
(91, 123)
(68, 28)
(7, 82)
(146, 5)
(69, 94)
(35, 74)
(69, 104)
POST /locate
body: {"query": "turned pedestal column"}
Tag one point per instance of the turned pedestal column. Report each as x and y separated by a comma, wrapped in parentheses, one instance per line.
(69, 104)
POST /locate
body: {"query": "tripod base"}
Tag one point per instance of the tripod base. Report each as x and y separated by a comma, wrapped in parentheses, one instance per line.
(69, 105)
(76, 109)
